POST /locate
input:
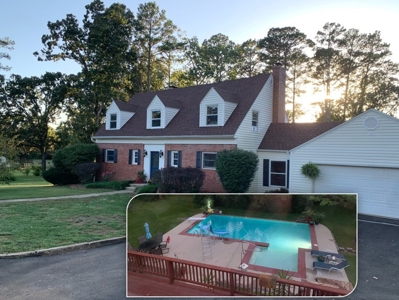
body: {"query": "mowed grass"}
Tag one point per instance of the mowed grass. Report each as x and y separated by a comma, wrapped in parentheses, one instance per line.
(27, 226)
(30, 186)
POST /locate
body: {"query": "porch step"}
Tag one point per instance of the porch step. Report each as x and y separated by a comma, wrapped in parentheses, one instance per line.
(134, 186)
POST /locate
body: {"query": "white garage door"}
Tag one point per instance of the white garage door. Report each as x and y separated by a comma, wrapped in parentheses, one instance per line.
(377, 188)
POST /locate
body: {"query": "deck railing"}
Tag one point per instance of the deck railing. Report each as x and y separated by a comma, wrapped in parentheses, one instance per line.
(235, 281)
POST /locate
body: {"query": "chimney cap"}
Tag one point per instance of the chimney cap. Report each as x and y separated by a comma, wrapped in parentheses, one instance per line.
(278, 63)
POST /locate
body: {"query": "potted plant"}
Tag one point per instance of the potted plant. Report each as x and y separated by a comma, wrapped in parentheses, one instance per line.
(141, 177)
(311, 171)
(309, 213)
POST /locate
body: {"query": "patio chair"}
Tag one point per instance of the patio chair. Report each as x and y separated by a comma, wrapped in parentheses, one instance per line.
(163, 245)
(320, 265)
(325, 254)
(142, 239)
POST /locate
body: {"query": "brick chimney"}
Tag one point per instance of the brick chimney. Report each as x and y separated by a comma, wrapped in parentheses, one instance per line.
(279, 93)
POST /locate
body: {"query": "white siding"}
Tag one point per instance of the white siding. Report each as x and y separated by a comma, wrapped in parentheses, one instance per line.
(125, 116)
(212, 98)
(257, 183)
(170, 113)
(113, 109)
(156, 104)
(248, 139)
(229, 107)
(349, 144)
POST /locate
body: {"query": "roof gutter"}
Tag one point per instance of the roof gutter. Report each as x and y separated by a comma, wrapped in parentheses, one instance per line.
(193, 137)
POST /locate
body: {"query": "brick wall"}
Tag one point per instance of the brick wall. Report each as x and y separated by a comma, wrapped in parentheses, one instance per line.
(121, 169)
(212, 183)
(124, 171)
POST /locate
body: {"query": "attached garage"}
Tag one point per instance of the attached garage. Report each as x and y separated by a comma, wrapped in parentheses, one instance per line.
(359, 156)
(378, 188)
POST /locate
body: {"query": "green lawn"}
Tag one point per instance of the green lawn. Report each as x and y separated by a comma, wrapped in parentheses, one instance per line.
(36, 187)
(44, 224)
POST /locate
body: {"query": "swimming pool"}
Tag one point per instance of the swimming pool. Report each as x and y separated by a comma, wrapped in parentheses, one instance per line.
(284, 238)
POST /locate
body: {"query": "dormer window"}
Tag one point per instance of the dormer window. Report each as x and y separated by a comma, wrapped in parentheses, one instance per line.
(212, 115)
(113, 121)
(156, 118)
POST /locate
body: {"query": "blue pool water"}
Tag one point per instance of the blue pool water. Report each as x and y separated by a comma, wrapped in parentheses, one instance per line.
(284, 238)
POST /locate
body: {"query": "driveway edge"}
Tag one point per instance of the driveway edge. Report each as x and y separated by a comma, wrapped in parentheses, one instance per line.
(64, 249)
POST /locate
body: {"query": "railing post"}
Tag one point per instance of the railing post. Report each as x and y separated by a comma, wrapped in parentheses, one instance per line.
(170, 271)
(232, 283)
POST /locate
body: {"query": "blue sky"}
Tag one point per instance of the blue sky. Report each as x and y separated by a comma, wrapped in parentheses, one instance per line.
(25, 22)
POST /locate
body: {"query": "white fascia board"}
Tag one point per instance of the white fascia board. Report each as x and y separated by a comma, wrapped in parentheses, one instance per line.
(280, 151)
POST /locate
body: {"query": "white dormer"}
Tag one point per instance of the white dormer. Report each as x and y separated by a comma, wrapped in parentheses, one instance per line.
(160, 113)
(116, 118)
(214, 110)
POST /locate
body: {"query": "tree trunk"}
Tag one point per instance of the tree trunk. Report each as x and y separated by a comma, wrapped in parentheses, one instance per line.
(43, 155)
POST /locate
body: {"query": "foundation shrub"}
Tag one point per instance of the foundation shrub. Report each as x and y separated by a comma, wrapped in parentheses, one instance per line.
(236, 169)
(179, 180)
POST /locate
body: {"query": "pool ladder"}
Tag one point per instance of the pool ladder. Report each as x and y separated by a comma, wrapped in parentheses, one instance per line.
(206, 245)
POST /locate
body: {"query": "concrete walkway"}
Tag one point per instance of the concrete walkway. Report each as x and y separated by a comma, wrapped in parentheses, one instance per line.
(69, 197)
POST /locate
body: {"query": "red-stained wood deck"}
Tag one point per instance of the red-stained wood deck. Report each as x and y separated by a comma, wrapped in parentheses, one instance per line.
(140, 284)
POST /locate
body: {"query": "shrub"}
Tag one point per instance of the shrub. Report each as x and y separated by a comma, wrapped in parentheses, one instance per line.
(299, 203)
(231, 201)
(149, 188)
(67, 158)
(141, 177)
(278, 191)
(236, 169)
(179, 180)
(36, 170)
(25, 171)
(59, 177)
(86, 171)
(6, 176)
(113, 185)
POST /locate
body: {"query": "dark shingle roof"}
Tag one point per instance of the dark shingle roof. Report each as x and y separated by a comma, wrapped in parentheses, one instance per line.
(186, 122)
(125, 106)
(287, 136)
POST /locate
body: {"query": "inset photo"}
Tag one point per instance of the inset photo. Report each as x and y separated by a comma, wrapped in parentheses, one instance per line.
(241, 245)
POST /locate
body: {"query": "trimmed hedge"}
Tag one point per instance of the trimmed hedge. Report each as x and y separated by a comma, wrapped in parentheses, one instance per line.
(179, 180)
(236, 169)
(86, 171)
(112, 185)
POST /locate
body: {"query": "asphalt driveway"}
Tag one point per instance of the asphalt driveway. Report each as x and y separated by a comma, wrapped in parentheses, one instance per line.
(100, 273)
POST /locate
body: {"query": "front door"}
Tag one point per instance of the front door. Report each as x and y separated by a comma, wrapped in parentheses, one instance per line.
(154, 162)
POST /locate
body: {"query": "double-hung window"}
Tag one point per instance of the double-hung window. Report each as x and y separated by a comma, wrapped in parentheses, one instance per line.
(212, 115)
(113, 121)
(208, 160)
(278, 173)
(135, 157)
(174, 159)
(156, 118)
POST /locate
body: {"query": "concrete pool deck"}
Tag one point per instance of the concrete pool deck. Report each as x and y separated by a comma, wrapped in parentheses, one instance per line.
(229, 253)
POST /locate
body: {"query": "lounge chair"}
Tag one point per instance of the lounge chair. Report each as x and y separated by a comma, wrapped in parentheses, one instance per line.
(142, 240)
(330, 267)
(325, 254)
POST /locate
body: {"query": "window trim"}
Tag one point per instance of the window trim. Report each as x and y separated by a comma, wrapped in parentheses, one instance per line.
(134, 158)
(156, 119)
(112, 122)
(203, 160)
(107, 155)
(172, 158)
(212, 115)
(273, 173)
